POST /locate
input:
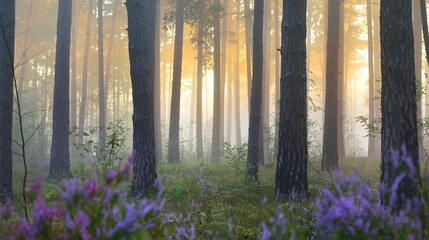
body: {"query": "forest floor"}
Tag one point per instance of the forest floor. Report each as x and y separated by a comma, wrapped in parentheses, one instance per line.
(211, 195)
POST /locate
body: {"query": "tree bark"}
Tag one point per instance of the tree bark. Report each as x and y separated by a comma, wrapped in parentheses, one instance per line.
(417, 33)
(217, 85)
(174, 141)
(330, 147)
(371, 137)
(199, 124)
(141, 46)
(7, 75)
(84, 92)
(291, 174)
(101, 95)
(157, 85)
(251, 176)
(60, 155)
(399, 111)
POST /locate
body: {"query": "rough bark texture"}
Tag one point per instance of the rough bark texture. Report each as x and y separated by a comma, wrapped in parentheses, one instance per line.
(399, 111)
(256, 97)
(417, 33)
(141, 19)
(371, 137)
(7, 46)
(173, 141)
(199, 123)
(341, 89)
(60, 155)
(101, 95)
(249, 46)
(84, 93)
(291, 175)
(157, 84)
(217, 85)
(330, 148)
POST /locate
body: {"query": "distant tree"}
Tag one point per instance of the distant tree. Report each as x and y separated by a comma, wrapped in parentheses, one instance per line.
(157, 84)
(101, 94)
(371, 117)
(330, 147)
(237, 77)
(173, 141)
(84, 92)
(73, 72)
(291, 175)
(425, 28)
(256, 97)
(60, 155)
(248, 17)
(399, 111)
(7, 46)
(200, 46)
(141, 45)
(217, 83)
(417, 35)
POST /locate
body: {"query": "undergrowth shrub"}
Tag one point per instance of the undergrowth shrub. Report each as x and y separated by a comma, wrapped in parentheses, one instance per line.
(88, 210)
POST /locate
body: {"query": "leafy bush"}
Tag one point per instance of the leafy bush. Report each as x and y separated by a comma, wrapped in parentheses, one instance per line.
(353, 210)
(89, 211)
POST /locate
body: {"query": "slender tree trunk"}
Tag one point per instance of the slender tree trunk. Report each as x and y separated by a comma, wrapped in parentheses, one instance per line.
(84, 92)
(249, 46)
(229, 98)
(237, 78)
(199, 124)
(256, 97)
(417, 33)
(101, 95)
(217, 85)
(291, 174)
(110, 49)
(377, 73)
(371, 137)
(157, 84)
(426, 41)
(277, 69)
(60, 155)
(265, 123)
(7, 75)
(330, 147)
(399, 111)
(223, 72)
(141, 47)
(173, 142)
(73, 93)
(341, 89)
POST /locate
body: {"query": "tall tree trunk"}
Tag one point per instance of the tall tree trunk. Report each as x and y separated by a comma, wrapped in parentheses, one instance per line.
(141, 47)
(107, 75)
(417, 33)
(399, 111)
(265, 123)
(229, 98)
(101, 95)
(7, 75)
(223, 72)
(277, 69)
(84, 92)
(60, 155)
(377, 73)
(173, 141)
(199, 124)
(237, 78)
(341, 98)
(157, 84)
(291, 174)
(249, 45)
(330, 147)
(371, 137)
(73, 92)
(217, 85)
(426, 40)
(256, 97)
